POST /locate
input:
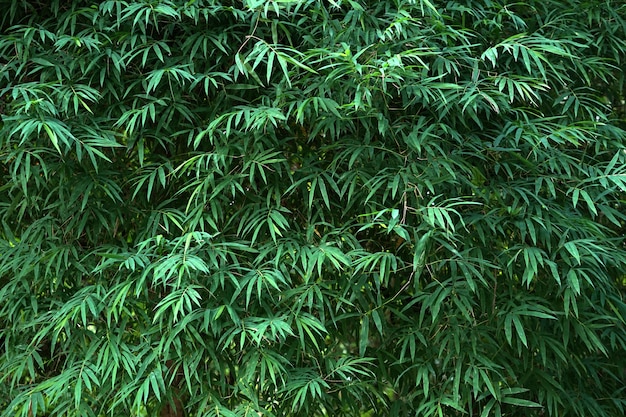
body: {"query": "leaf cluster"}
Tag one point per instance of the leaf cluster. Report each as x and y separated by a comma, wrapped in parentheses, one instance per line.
(312, 208)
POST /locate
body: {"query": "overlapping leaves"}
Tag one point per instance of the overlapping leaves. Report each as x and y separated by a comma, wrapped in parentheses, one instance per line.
(312, 208)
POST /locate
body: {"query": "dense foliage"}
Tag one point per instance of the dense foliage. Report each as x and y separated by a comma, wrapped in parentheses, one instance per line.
(312, 208)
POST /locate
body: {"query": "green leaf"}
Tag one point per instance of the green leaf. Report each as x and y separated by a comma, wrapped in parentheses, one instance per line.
(364, 335)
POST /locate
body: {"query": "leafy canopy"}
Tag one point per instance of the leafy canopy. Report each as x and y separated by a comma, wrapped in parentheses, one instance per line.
(312, 208)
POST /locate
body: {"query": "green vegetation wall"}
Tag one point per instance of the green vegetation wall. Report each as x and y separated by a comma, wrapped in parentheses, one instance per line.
(312, 208)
